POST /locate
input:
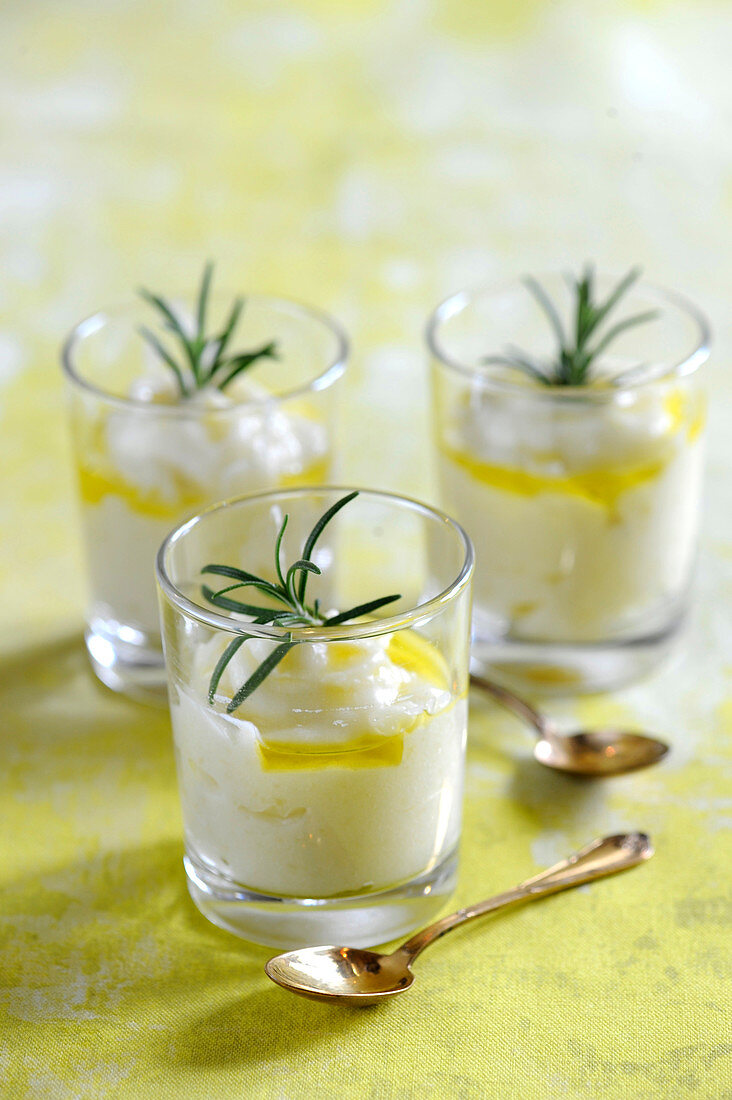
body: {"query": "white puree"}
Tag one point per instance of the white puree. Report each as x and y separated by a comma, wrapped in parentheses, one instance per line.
(147, 472)
(341, 773)
(584, 519)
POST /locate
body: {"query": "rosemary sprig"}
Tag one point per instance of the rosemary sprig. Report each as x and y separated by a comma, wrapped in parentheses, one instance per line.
(204, 362)
(288, 590)
(574, 359)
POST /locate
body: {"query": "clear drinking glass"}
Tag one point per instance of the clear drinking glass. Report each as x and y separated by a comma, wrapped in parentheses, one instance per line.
(582, 502)
(327, 806)
(143, 465)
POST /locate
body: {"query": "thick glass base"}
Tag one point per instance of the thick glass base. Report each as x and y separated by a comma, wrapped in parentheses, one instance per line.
(128, 661)
(563, 668)
(356, 921)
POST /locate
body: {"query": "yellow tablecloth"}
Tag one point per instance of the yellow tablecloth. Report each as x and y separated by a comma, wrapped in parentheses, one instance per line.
(368, 157)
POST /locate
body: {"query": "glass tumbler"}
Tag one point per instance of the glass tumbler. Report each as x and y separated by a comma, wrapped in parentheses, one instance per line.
(582, 501)
(144, 464)
(325, 807)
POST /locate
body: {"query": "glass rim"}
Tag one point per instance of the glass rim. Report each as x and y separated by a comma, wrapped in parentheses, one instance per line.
(343, 631)
(96, 321)
(687, 365)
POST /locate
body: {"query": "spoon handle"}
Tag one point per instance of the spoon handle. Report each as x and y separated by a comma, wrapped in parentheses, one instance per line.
(605, 856)
(514, 703)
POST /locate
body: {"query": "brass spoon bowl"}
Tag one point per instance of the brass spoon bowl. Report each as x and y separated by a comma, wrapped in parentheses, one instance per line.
(595, 754)
(355, 976)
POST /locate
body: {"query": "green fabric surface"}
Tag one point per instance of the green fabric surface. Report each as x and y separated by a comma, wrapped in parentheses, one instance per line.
(114, 985)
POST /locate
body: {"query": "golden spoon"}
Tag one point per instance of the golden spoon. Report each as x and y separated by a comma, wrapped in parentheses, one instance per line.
(590, 753)
(354, 976)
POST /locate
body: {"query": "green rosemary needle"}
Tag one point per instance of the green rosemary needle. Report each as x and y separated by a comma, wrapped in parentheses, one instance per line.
(575, 358)
(288, 592)
(204, 362)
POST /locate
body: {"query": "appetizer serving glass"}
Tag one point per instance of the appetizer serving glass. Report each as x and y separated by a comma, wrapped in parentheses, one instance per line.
(144, 463)
(582, 500)
(326, 807)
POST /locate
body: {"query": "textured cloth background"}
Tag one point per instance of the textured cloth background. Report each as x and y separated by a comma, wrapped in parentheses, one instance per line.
(368, 157)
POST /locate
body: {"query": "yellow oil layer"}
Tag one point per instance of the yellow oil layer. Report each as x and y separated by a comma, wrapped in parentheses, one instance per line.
(361, 752)
(603, 485)
(96, 483)
(415, 654)
(541, 675)
(685, 410)
(368, 750)
(314, 474)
